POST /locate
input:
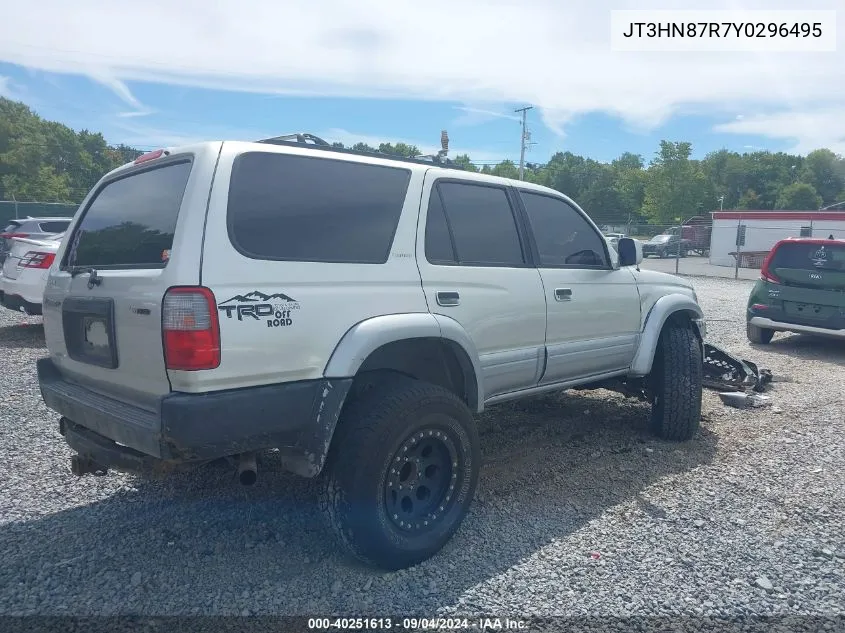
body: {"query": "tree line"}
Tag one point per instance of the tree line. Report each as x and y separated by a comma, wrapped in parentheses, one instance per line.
(47, 161)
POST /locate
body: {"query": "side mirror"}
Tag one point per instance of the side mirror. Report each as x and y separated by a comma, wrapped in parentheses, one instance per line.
(630, 252)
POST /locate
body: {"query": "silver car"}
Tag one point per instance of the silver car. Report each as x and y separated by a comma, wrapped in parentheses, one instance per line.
(31, 228)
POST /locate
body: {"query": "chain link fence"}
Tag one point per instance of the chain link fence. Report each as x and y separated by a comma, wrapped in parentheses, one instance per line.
(12, 210)
(731, 248)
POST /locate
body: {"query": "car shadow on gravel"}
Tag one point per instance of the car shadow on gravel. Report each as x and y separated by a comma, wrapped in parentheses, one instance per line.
(806, 347)
(22, 336)
(200, 543)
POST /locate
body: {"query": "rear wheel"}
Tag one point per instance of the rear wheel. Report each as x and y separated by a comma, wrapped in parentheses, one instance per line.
(401, 473)
(676, 383)
(759, 335)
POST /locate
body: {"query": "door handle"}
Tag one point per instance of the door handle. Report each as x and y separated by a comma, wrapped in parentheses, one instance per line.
(563, 294)
(448, 298)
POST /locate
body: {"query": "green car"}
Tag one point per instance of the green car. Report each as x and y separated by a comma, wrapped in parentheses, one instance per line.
(801, 289)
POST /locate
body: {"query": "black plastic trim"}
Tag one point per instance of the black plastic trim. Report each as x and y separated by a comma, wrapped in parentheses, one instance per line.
(297, 418)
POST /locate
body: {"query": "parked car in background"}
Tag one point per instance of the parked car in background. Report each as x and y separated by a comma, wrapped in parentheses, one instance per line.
(801, 289)
(34, 228)
(666, 245)
(613, 239)
(24, 273)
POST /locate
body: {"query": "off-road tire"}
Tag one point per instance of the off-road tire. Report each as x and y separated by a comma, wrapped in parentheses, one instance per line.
(759, 335)
(359, 477)
(676, 383)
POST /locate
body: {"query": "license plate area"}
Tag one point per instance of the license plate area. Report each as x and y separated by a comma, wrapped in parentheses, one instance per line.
(809, 310)
(88, 325)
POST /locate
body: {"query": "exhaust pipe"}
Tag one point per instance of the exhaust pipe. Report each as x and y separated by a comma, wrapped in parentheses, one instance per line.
(247, 469)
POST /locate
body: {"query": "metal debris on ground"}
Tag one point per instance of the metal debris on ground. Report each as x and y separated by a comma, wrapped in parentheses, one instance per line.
(742, 400)
(726, 372)
(740, 382)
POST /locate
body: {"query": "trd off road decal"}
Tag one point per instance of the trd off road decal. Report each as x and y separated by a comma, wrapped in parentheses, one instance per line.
(275, 309)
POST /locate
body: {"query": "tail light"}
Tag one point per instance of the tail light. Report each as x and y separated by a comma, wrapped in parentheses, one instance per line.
(190, 329)
(37, 259)
(759, 306)
(9, 236)
(765, 270)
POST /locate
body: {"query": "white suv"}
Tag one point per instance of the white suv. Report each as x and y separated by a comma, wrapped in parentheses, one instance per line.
(352, 311)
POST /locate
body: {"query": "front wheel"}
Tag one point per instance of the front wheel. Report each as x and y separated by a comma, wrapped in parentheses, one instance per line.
(676, 383)
(401, 473)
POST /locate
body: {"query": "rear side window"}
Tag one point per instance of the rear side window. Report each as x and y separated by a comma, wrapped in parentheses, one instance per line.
(809, 256)
(481, 222)
(131, 221)
(55, 226)
(295, 208)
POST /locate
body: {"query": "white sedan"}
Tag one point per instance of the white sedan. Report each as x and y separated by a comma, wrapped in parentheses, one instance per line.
(24, 273)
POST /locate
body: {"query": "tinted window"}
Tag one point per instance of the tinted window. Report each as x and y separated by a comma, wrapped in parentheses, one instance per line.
(563, 236)
(284, 207)
(482, 223)
(130, 222)
(438, 241)
(56, 226)
(809, 257)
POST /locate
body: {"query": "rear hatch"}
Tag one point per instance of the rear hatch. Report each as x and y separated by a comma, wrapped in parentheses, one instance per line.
(810, 282)
(29, 253)
(103, 302)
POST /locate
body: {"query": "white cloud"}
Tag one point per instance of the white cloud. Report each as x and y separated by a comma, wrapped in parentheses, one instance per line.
(552, 54)
(5, 90)
(119, 88)
(806, 129)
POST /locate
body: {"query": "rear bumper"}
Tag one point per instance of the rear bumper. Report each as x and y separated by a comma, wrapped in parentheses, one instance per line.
(18, 303)
(297, 418)
(783, 326)
(23, 293)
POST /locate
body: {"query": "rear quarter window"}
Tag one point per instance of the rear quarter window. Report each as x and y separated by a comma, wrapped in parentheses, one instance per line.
(296, 208)
(131, 221)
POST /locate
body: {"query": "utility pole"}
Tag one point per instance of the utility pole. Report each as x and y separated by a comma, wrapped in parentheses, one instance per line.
(524, 141)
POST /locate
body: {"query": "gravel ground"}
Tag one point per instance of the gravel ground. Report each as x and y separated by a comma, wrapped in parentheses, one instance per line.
(579, 511)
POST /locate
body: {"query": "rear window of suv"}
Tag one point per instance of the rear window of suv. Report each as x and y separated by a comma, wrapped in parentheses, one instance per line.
(131, 221)
(295, 208)
(809, 256)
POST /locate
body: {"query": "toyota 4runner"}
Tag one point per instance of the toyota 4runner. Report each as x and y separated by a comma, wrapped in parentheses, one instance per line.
(352, 311)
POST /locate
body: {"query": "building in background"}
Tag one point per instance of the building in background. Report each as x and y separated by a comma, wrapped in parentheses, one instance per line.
(762, 229)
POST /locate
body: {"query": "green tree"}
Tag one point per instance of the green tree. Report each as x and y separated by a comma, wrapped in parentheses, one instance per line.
(749, 200)
(400, 149)
(629, 182)
(463, 161)
(825, 171)
(49, 162)
(675, 185)
(799, 197)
